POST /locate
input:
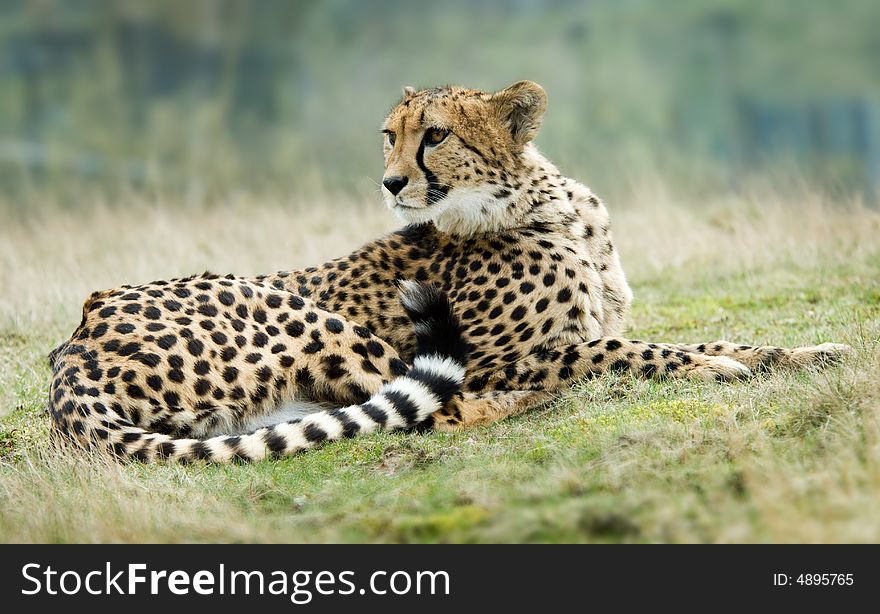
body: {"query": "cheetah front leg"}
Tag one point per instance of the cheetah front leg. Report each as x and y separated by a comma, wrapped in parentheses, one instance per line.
(552, 369)
(533, 380)
(765, 357)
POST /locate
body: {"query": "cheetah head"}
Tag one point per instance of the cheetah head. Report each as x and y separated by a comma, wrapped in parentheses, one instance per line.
(455, 156)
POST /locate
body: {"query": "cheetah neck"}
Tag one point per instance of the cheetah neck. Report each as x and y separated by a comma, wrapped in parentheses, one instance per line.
(534, 195)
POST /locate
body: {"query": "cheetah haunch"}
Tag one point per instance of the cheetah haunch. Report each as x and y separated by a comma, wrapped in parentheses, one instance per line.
(511, 290)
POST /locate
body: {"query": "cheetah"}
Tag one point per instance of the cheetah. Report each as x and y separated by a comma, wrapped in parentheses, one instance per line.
(503, 289)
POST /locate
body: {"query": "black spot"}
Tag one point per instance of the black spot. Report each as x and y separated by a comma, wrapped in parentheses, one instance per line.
(334, 326)
(612, 345)
(172, 399)
(295, 328)
(195, 347)
(304, 377)
(332, 365)
(151, 360)
(99, 330)
(226, 298)
(152, 313)
(618, 366)
(135, 392)
(201, 367)
(375, 348)
(131, 437)
(313, 347)
(206, 309)
(128, 349)
(154, 382)
(362, 332)
(476, 384)
(228, 353)
(202, 387)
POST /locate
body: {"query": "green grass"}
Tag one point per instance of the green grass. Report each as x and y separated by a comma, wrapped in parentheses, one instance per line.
(783, 457)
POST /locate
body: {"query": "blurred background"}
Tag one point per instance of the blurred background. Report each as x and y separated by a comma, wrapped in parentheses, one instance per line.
(205, 97)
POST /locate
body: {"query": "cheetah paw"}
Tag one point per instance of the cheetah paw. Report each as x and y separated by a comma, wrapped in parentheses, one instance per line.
(819, 355)
(720, 368)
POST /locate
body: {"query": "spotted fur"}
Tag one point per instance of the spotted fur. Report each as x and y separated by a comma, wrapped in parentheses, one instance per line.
(537, 300)
(173, 383)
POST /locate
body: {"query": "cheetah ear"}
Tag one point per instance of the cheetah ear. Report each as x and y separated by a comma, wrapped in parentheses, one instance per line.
(408, 91)
(521, 108)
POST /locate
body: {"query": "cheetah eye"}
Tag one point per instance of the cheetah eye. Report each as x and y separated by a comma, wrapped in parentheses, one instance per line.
(391, 137)
(435, 136)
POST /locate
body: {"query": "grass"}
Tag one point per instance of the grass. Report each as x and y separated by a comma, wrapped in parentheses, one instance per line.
(786, 457)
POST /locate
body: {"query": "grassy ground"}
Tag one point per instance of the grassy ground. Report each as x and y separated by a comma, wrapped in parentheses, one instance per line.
(784, 457)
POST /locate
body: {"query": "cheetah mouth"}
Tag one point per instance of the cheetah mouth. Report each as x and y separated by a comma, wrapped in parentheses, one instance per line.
(400, 205)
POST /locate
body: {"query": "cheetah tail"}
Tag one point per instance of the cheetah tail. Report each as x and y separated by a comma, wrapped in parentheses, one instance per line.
(436, 375)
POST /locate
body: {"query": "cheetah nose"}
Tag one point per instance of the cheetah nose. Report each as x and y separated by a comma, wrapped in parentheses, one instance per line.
(395, 184)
